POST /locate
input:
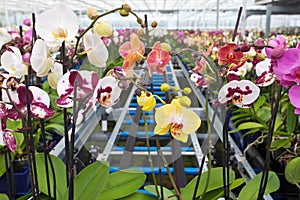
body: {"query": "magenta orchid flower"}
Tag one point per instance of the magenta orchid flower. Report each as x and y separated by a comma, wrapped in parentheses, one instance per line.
(157, 59)
(38, 99)
(264, 72)
(279, 48)
(107, 92)
(57, 24)
(86, 83)
(241, 93)
(288, 73)
(7, 138)
(12, 62)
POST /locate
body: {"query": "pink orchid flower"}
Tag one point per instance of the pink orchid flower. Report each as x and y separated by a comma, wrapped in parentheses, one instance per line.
(157, 59)
(288, 73)
(241, 93)
(132, 52)
(279, 48)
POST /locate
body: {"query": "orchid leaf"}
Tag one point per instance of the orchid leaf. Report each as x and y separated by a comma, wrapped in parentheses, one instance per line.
(59, 172)
(217, 193)
(277, 144)
(292, 170)
(122, 183)
(250, 125)
(259, 102)
(139, 196)
(291, 119)
(59, 129)
(3, 197)
(89, 183)
(214, 183)
(251, 189)
(167, 193)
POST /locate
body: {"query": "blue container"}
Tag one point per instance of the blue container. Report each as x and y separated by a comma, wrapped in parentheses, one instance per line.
(22, 181)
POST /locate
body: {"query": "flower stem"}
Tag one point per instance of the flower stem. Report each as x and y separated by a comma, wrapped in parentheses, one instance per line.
(209, 142)
(265, 174)
(165, 164)
(149, 156)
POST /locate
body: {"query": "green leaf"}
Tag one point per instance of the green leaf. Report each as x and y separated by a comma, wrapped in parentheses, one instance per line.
(57, 127)
(215, 181)
(139, 196)
(239, 116)
(13, 124)
(89, 183)
(3, 197)
(277, 144)
(291, 119)
(292, 170)
(254, 130)
(259, 102)
(167, 193)
(122, 183)
(59, 171)
(215, 194)
(250, 125)
(250, 191)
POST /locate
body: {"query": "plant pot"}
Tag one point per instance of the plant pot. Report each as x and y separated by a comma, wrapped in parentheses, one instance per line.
(22, 181)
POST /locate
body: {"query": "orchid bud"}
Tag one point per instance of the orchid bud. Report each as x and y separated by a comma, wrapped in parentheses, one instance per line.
(154, 24)
(165, 87)
(92, 13)
(245, 47)
(27, 22)
(259, 43)
(139, 21)
(187, 90)
(126, 7)
(185, 101)
(103, 28)
(123, 13)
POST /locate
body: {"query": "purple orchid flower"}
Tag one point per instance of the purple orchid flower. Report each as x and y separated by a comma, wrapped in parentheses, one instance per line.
(279, 48)
(7, 138)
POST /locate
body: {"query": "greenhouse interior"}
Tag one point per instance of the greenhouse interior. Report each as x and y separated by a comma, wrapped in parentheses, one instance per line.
(150, 99)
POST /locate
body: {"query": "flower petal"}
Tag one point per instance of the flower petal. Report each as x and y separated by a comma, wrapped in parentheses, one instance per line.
(39, 95)
(190, 121)
(10, 140)
(41, 111)
(294, 95)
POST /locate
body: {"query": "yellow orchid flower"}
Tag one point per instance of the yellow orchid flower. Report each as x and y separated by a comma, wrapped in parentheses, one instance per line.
(174, 117)
(146, 101)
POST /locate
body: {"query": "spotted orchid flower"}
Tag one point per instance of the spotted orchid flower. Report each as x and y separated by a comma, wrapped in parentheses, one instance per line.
(157, 59)
(177, 119)
(57, 25)
(38, 99)
(241, 93)
(96, 50)
(86, 83)
(199, 79)
(7, 138)
(264, 72)
(12, 62)
(227, 55)
(44, 65)
(132, 52)
(107, 92)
